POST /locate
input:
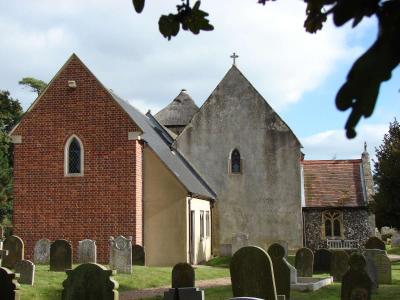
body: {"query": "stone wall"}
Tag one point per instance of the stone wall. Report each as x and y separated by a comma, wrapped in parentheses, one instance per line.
(355, 223)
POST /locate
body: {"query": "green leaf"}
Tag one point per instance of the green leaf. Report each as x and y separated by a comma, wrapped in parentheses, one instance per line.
(168, 26)
(138, 5)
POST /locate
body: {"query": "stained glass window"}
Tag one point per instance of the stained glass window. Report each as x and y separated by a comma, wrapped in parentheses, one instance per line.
(74, 157)
(235, 162)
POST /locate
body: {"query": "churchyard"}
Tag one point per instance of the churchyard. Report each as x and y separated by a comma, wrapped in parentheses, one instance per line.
(252, 271)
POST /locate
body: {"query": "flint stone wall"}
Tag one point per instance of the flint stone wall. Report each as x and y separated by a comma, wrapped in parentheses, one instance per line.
(355, 223)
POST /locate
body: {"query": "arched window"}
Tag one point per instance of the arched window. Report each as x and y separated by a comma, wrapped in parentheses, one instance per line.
(235, 162)
(73, 157)
(332, 224)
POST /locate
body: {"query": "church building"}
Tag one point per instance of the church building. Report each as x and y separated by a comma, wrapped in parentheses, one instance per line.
(186, 183)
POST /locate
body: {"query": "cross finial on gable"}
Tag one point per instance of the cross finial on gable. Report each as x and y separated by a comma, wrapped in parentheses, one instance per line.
(234, 56)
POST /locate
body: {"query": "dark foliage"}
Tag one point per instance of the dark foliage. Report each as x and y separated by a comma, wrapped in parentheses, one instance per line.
(387, 178)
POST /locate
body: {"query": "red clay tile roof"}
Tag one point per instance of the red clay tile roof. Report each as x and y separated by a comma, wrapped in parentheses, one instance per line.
(333, 183)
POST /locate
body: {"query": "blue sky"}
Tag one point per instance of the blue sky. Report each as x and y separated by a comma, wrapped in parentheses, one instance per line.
(296, 72)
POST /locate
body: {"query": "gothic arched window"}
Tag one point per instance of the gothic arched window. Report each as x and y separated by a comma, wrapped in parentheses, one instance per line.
(235, 162)
(332, 224)
(73, 156)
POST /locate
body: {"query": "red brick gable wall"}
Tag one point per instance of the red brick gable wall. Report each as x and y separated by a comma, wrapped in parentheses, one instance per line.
(106, 200)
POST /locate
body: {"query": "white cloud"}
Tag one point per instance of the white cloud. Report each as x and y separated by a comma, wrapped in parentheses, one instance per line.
(129, 55)
(333, 143)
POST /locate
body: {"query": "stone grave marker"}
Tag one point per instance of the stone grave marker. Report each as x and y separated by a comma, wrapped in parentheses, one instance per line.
(121, 254)
(281, 269)
(384, 268)
(1, 233)
(26, 271)
(370, 267)
(252, 274)
(2, 253)
(239, 240)
(375, 243)
(60, 256)
(293, 272)
(304, 262)
(339, 264)
(182, 276)
(322, 261)
(90, 281)
(138, 255)
(9, 287)
(15, 247)
(41, 252)
(87, 251)
(356, 284)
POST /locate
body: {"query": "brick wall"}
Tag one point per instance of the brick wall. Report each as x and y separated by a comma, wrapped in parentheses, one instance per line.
(106, 200)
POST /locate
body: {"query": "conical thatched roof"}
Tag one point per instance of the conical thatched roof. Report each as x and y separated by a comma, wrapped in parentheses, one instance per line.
(179, 112)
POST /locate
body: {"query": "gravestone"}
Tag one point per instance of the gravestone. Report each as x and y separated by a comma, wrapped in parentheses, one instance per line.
(60, 256)
(384, 268)
(293, 272)
(121, 254)
(252, 274)
(41, 252)
(1, 233)
(375, 243)
(281, 269)
(90, 281)
(188, 293)
(138, 255)
(304, 262)
(371, 269)
(182, 276)
(356, 284)
(239, 240)
(339, 264)
(8, 285)
(87, 251)
(26, 271)
(15, 247)
(2, 252)
(322, 261)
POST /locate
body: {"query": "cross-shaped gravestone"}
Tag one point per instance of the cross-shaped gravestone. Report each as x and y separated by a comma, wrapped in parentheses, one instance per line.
(234, 56)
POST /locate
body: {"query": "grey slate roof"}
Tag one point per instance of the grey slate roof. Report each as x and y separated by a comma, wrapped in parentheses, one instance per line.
(179, 112)
(160, 141)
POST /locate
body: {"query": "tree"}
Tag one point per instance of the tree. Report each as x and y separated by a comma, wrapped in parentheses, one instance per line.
(36, 85)
(387, 178)
(10, 113)
(359, 93)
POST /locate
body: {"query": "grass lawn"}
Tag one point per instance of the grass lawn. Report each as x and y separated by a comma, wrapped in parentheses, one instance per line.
(48, 285)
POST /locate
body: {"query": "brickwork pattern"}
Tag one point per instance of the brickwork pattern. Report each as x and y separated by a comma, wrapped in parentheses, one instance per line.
(106, 200)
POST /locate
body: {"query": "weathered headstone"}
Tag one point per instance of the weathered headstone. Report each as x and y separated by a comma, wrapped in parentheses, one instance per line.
(370, 267)
(375, 243)
(188, 293)
(41, 252)
(121, 254)
(60, 256)
(281, 269)
(90, 281)
(384, 268)
(304, 262)
(8, 285)
(322, 261)
(239, 240)
(15, 247)
(339, 264)
(293, 272)
(252, 274)
(356, 284)
(182, 276)
(26, 271)
(138, 255)
(87, 251)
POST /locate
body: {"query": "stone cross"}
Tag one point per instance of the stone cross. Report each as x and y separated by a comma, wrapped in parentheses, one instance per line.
(234, 56)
